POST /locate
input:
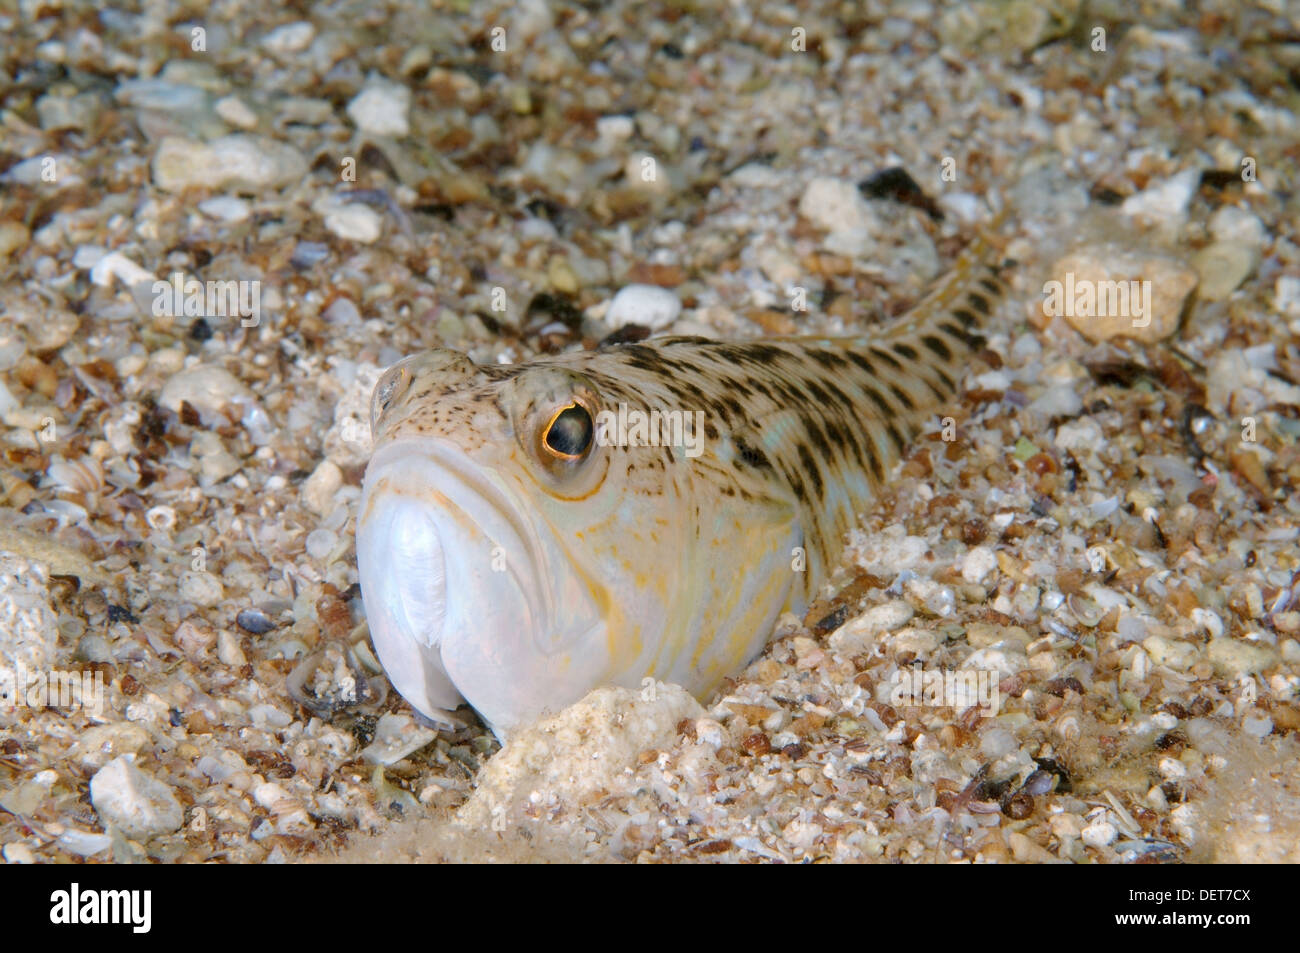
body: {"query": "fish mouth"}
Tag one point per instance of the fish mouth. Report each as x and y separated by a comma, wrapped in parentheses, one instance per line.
(444, 555)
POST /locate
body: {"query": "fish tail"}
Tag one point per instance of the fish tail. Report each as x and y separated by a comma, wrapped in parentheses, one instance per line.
(931, 345)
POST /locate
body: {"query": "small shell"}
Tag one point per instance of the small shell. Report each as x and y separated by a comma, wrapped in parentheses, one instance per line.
(160, 518)
(83, 476)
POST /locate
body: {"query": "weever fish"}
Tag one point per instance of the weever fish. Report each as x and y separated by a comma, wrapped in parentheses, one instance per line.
(511, 560)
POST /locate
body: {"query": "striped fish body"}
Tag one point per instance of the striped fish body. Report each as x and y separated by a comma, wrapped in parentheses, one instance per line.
(513, 556)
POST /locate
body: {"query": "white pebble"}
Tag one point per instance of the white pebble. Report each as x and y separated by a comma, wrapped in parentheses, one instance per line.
(318, 489)
(647, 305)
(358, 223)
(236, 112)
(1166, 199)
(115, 265)
(200, 588)
(978, 563)
(135, 803)
(320, 543)
(290, 38)
(381, 109)
(225, 208)
(838, 207)
(1100, 834)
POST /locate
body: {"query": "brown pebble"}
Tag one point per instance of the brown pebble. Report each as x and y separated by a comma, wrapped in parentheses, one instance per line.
(130, 686)
(973, 532)
(794, 751)
(757, 744)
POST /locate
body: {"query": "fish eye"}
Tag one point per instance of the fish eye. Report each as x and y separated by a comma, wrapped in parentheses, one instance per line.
(569, 433)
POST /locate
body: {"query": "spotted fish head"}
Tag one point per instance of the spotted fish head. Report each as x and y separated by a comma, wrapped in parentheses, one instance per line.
(469, 531)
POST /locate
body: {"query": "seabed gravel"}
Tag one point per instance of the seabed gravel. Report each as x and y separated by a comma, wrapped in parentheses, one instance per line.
(1111, 527)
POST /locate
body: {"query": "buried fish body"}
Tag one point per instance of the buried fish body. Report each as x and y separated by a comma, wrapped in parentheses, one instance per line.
(514, 553)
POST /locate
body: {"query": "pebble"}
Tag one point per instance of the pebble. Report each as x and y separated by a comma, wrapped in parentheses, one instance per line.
(978, 563)
(239, 160)
(229, 651)
(1099, 834)
(858, 633)
(289, 39)
(320, 543)
(27, 620)
(100, 744)
(200, 588)
(236, 112)
(13, 237)
(381, 109)
(1083, 271)
(837, 206)
(354, 222)
(254, 621)
(318, 489)
(1222, 267)
(1286, 295)
(226, 208)
(1165, 200)
(212, 391)
(16, 853)
(136, 804)
(1234, 658)
(647, 305)
(115, 266)
(396, 736)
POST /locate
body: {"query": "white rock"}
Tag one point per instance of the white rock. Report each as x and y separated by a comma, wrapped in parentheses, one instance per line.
(17, 853)
(1082, 434)
(200, 588)
(236, 112)
(229, 651)
(396, 736)
(978, 563)
(585, 750)
(858, 633)
(318, 489)
(226, 208)
(1286, 295)
(381, 109)
(100, 744)
(290, 38)
(212, 391)
(28, 633)
(250, 162)
(1234, 224)
(355, 222)
(838, 207)
(647, 305)
(138, 805)
(1167, 199)
(116, 266)
(1100, 834)
(84, 843)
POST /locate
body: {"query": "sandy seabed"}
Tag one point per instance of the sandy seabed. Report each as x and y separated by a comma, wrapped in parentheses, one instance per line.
(1111, 531)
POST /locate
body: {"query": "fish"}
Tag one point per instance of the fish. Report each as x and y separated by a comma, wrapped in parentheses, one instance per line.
(526, 533)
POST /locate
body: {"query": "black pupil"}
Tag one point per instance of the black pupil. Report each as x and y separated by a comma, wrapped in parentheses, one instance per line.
(570, 432)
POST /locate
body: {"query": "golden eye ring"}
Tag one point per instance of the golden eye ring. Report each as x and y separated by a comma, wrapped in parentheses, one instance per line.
(570, 432)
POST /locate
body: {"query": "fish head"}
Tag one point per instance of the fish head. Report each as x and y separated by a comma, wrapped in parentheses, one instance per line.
(469, 536)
